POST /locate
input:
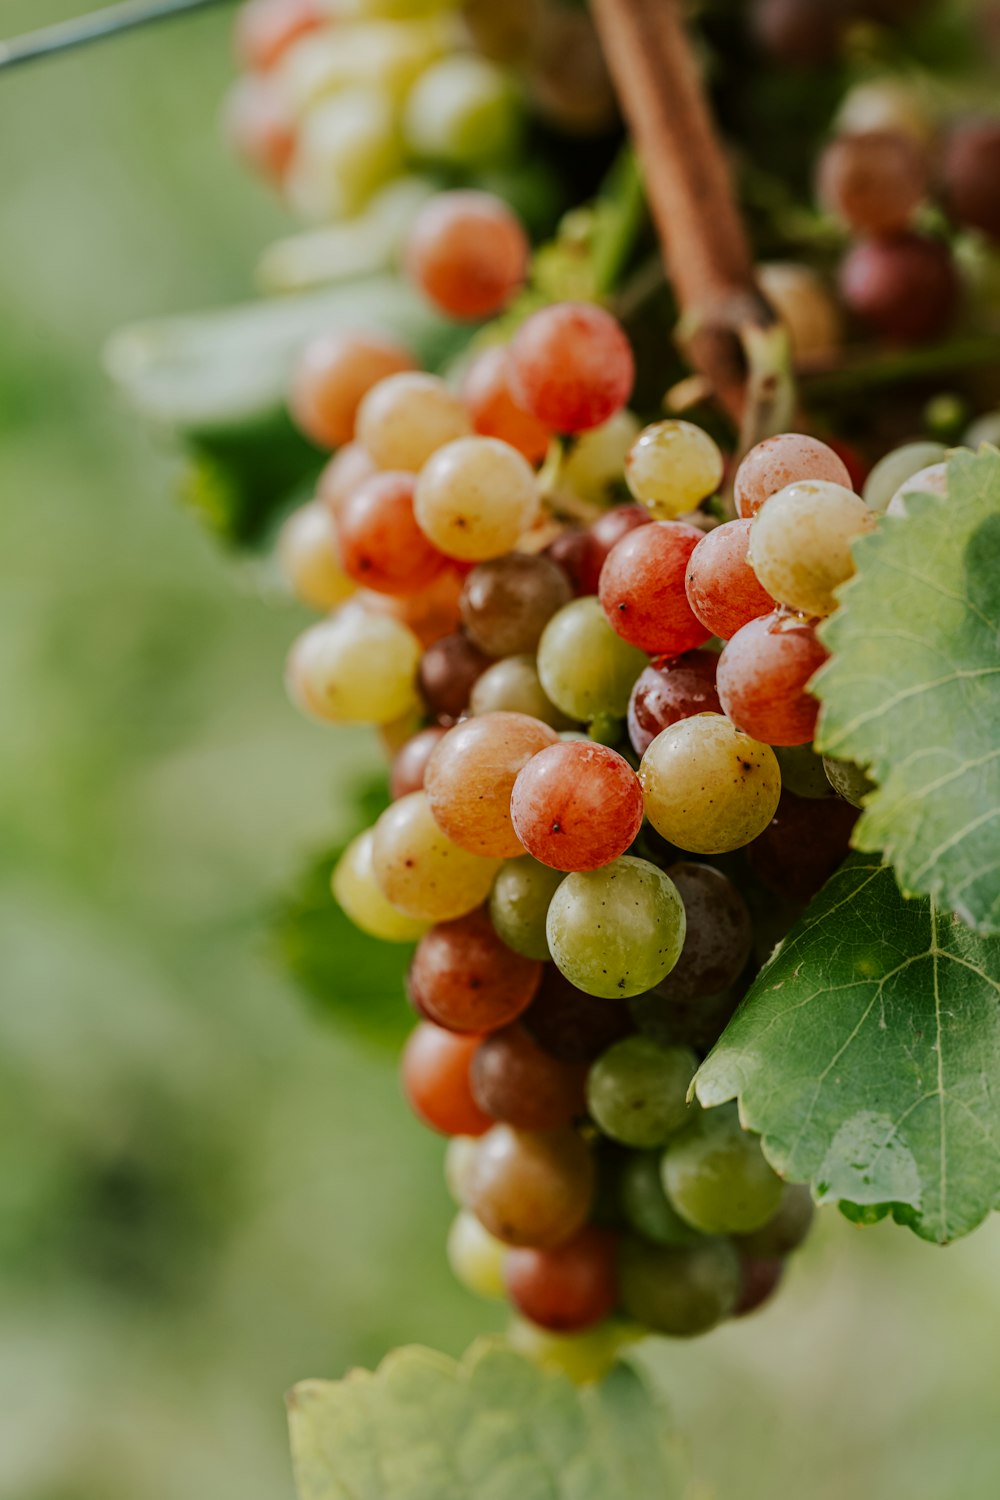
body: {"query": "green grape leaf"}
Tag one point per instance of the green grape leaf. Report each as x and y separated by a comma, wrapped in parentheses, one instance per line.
(912, 690)
(866, 1054)
(494, 1427)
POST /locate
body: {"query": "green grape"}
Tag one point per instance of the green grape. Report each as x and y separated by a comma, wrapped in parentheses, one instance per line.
(420, 870)
(802, 771)
(347, 147)
(672, 467)
(637, 1091)
(475, 1257)
(459, 1159)
(787, 1229)
(616, 931)
(716, 1177)
(519, 904)
(680, 1290)
(645, 1205)
(585, 668)
(800, 543)
(581, 1357)
(463, 111)
(595, 462)
(357, 892)
(985, 429)
(896, 468)
(355, 668)
(708, 787)
(848, 780)
(513, 686)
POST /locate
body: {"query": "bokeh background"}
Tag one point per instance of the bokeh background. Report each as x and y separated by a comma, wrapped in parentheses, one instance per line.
(206, 1192)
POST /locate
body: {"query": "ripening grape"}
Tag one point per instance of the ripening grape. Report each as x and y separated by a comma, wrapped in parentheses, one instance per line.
(257, 125)
(431, 614)
(532, 1189)
(760, 1280)
(434, 1073)
(355, 668)
(486, 393)
(885, 103)
(514, 1081)
(848, 780)
(519, 904)
(707, 786)
(584, 666)
(265, 28)
(379, 541)
(475, 497)
(410, 761)
(782, 460)
(571, 366)
(672, 467)
(512, 685)
(722, 588)
(642, 589)
(332, 375)
(346, 147)
(406, 417)
(307, 552)
(470, 776)
(616, 931)
(786, 1229)
(467, 252)
(459, 1156)
(348, 469)
(971, 172)
(680, 1290)
(892, 471)
(582, 1357)
(464, 979)
(800, 544)
(801, 847)
(637, 1092)
(606, 532)
(719, 937)
(359, 895)
(567, 1288)
(872, 182)
(386, 58)
(716, 1176)
(806, 306)
(669, 691)
(508, 601)
(503, 33)
(645, 1205)
(462, 111)
(572, 1025)
(576, 805)
(930, 481)
(593, 463)
(906, 287)
(799, 33)
(420, 870)
(475, 1257)
(449, 670)
(567, 75)
(763, 679)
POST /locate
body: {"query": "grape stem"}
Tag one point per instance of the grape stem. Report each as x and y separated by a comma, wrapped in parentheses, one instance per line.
(64, 36)
(726, 328)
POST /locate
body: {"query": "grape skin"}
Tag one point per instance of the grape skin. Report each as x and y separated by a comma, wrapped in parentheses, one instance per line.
(716, 1177)
(569, 1288)
(905, 288)
(307, 553)
(406, 418)
(806, 306)
(616, 931)
(719, 938)
(585, 668)
(572, 1025)
(467, 252)
(463, 978)
(892, 471)
(672, 467)
(486, 393)
(355, 668)
(763, 679)
(571, 366)
(512, 685)
(342, 474)
(680, 1290)
(646, 1207)
(708, 787)
(334, 373)
(519, 903)
(800, 544)
(517, 1083)
(434, 1073)
(507, 602)
(576, 806)
(669, 691)
(379, 541)
(471, 774)
(873, 181)
(476, 497)
(421, 871)
(532, 1189)
(449, 670)
(637, 1091)
(359, 896)
(410, 762)
(782, 460)
(722, 588)
(475, 1257)
(642, 589)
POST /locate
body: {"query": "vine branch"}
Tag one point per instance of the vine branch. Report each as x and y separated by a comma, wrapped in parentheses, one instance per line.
(64, 36)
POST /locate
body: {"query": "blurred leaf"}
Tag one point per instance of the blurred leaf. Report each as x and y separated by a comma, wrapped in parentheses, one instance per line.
(912, 690)
(866, 1054)
(494, 1427)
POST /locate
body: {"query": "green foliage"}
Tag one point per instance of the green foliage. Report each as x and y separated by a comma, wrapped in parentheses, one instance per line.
(913, 690)
(494, 1427)
(866, 1054)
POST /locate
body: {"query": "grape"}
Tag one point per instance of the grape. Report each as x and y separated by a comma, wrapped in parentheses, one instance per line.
(257, 125)
(512, 686)
(680, 1290)
(783, 460)
(470, 775)
(930, 481)
(616, 931)
(568, 77)
(576, 805)
(355, 668)
(333, 374)
(508, 601)
(800, 33)
(707, 786)
(420, 870)
(872, 182)
(764, 676)
(571, 1025)
(802, 771)
(722, 588)
(646, 1206)
(719, 937)
(379, 541)
(806, 306)
(896, 468)
(346, 148)
(459, 1157)
(519, 903)
(802, 845)
(571, 366)
(971, 175)
(570, 551)
(669, 691)
(486, 393)
(307, 551)
(342, 474)
(475, 1257)
(580, 1357)
(585, 668)
(568, 1288)
(410, 762)
(606, 532)
(678, 1024)
(593, 463)
(800, 543)
(435, 1080)
(448, 672)
(407, 417)
(906, 288)
(386, 58)
(464, 979)
(357, 892)
(885, 104)
(503, 33)
(265, 28)
(431, 614)
(530, 1189)
(761, 1279)
(716, 1177)
(848, 780)
(642, 589)
(517, 1083)
(637, 1092)
(672, 467)
(786, 1229)
(467, 252)
(462, 111)
(475, 497)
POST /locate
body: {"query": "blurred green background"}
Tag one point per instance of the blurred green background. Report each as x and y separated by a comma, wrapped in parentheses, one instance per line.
(206, 1193)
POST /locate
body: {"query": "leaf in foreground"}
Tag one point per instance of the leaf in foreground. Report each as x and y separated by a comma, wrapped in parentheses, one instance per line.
(867, 1055)
(494, 1427)
(913, 690)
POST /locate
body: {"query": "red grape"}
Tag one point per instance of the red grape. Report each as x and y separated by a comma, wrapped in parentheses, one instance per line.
(508, 601)
(467, 252)
(782, 460)
(435, 1079)
(800, 33)
(873, 181)
(471, 775)
(572, 1025)
(463, 977)
(642, 589)
(722, 588)
(906, 287)
(761, 1279)
(805, 841)
(431, 614)
(486, 392)
(571, 366)
(763, 676)
(448, 671)
(516, 1083)
(528, 1188)
(342, 474)
(606, 532)
(718, 939)
(380, 543)
(568, 1288)
(335, 371)
(410, 761)
(971, 175)
(576, 805)
(671, 690)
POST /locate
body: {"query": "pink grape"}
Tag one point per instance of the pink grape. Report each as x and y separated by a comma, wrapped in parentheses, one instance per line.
(435, 1079)
(257, 126)
(486, 392)
(668, 691)
(265, 29)
(763, 676)
(722, 588)
(410, 761)
(467, 252)
(380, 543)
(642, 589)
(782, 460)
(905, 287)
(571, 366)
(576, 805)
(342, 474)
(606, 532)
(471, 774)
(334, 372)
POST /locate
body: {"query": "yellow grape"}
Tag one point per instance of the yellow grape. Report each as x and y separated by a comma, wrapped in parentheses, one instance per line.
(407, 417)
(347, 147)
(307, 553)
(581, 1357)
(357, 893)
(475, 497)
(596, 459)
(355, 668)
(800, 543)
(420, 870)
(672, 467)
(707, 787)
(475, 1257)
(459, 1156)
(378, 54)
